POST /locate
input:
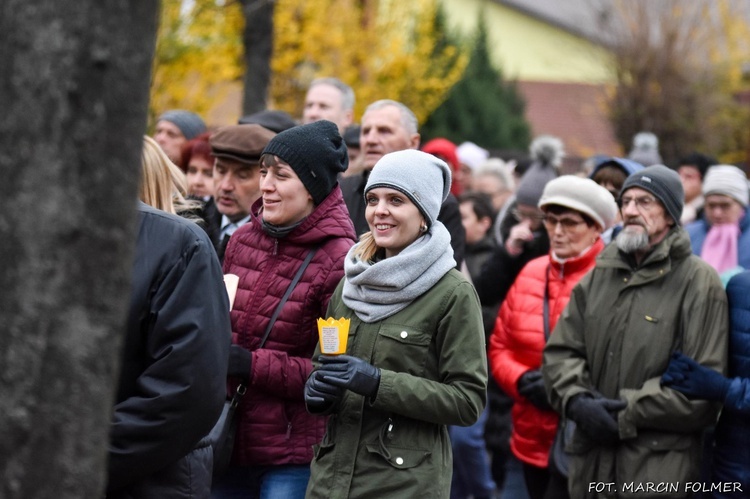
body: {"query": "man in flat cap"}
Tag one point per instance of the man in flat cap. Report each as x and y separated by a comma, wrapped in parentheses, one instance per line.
(236, 178)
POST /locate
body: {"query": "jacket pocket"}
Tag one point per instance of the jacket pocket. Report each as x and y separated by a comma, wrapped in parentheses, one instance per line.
(400, 457)
(659, 457)
(402, 348)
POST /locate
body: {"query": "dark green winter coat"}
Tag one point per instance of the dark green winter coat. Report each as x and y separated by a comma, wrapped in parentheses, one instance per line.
(616, 337)
(433, 373)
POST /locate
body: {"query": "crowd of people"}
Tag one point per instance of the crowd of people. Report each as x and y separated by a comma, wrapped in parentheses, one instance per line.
(513, 331)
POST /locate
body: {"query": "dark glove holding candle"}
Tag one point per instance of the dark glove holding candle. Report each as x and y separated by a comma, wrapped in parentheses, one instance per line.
(351, 373)
(320, 396)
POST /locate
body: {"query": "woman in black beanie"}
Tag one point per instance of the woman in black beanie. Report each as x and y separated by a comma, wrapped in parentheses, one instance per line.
(301, 215)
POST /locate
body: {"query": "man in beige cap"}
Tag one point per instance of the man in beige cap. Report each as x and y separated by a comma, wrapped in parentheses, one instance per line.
(236, 178)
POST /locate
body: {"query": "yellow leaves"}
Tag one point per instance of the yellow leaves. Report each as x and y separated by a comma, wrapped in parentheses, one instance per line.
(197, 52)
(382, 49)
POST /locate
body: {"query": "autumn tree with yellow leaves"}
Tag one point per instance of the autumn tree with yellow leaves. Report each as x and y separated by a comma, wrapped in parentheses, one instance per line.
(198, 51)
(382, 48)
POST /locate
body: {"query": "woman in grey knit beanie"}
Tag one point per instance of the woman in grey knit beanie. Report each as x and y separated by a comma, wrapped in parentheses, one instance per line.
(417, 324)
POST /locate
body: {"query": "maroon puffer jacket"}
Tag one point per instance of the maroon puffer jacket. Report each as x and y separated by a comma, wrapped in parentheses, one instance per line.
(274, 426)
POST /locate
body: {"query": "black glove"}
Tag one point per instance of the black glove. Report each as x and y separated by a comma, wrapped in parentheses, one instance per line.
(597, 417)
(531, 386)
(321, 395)
(694, 380)
(351, 373)
(240, 362)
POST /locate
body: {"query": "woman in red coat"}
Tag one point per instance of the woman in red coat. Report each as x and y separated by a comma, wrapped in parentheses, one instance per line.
(577, 211)
(301, 210)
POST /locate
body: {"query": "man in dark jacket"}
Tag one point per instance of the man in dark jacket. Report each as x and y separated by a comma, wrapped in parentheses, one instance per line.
(174, 363)
(647, 296)
(389, 126)
(236, 178)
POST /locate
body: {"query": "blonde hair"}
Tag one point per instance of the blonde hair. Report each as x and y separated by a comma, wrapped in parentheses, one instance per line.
(367, 248)
(163, 185)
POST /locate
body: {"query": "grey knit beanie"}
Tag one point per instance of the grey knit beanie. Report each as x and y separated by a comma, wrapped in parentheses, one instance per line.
(727, 180)
(422, 177)
(317, 154)
(662, 182)
(583, 195)
(190, 124)
(532, 184)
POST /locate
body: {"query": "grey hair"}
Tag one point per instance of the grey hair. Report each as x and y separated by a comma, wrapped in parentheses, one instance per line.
(408, 118)
(497, 168)
(347, 94)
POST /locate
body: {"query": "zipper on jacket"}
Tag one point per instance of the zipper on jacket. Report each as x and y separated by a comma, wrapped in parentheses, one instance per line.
(275, 246)
(385, 433)
(288, 430)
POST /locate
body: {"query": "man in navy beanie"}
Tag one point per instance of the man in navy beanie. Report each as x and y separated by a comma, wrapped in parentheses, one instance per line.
(647, 297)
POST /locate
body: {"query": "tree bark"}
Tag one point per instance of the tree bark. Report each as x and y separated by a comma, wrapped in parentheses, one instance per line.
(258, 41)
(73, 92)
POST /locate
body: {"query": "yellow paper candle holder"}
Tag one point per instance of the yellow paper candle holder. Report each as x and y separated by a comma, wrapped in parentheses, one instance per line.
(333, 334)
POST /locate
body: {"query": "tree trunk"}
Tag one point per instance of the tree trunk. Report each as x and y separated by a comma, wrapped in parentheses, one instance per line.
(74, 82)
(258, 40)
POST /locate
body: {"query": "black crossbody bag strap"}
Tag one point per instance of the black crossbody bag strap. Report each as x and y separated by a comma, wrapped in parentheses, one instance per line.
(546, 304)
(288, 292)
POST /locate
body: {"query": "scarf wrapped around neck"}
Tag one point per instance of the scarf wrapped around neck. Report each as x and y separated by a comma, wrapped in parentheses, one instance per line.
(377, 290)
(720, 247)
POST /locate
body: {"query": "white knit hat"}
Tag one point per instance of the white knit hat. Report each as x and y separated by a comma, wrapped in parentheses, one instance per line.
(583, 195)
(728, 180)
(471, 154)
(423, 178)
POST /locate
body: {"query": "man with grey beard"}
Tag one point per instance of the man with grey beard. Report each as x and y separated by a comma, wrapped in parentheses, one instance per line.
(647, 297)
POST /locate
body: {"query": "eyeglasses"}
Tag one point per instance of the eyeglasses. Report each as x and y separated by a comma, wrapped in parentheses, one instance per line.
(550, 222)
(521, 215)
(643, 203)
(718, 205)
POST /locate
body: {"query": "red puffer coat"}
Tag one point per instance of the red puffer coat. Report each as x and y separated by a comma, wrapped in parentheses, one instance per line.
(518, 340)
(275, 427)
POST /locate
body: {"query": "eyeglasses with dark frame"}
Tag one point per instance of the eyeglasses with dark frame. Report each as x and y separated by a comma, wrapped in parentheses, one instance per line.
(567, 224)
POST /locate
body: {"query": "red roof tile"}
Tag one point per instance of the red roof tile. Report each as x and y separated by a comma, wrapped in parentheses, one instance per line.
(574, 112)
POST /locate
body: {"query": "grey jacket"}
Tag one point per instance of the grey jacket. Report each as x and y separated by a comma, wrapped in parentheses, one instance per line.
(615, 337)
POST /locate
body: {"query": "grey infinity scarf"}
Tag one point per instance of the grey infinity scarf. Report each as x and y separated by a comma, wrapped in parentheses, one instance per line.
(380, 289)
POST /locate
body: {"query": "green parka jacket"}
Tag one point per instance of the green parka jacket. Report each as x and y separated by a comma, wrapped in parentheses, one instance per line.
(433, 373)
(615, 337)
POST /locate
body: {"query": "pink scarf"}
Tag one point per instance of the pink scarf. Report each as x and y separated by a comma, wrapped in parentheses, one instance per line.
(720, 246)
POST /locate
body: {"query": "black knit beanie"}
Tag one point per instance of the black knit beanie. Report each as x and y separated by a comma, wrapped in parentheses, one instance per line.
(317, 154)
(662, 182)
